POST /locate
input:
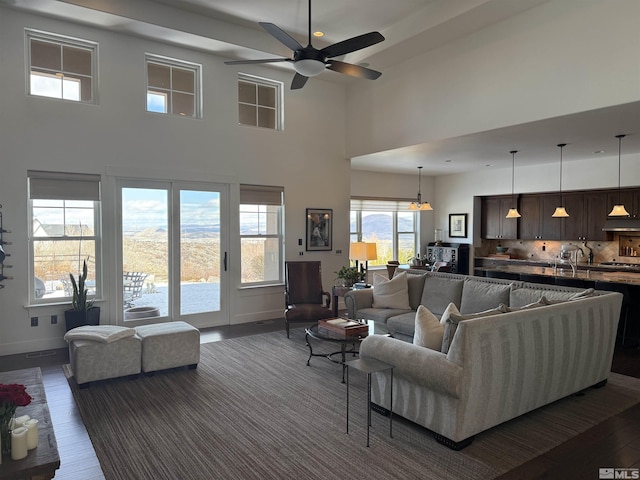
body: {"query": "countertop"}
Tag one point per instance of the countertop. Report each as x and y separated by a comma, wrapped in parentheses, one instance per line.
(604, 273)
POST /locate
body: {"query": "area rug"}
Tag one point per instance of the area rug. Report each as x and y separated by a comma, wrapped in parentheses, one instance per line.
(253, 409)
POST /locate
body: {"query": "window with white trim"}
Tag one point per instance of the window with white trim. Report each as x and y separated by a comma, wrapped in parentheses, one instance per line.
(64, 211)
(173, 86)
(261, 234)
(259, 102)
(61, 67)
(387, 223)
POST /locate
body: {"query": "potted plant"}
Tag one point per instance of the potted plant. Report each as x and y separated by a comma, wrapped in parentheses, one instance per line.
(350, 275)
(84, 312)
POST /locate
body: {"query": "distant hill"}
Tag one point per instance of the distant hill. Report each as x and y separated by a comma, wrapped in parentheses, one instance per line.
(381, 224)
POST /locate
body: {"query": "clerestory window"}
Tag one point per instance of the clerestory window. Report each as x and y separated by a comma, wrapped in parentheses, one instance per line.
(61, 67)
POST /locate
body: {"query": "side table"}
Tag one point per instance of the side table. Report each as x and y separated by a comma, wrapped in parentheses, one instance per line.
(335, 293)
(369, 366)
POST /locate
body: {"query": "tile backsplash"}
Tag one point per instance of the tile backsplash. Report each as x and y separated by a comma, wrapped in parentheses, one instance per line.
(624, 248)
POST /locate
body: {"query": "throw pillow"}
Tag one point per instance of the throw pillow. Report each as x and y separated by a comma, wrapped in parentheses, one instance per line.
(454, 318)
(392, 293)
(428, 330)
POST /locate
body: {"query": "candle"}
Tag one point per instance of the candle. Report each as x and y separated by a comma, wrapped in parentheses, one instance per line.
(19, 421)
(19, 448)
(32, 433)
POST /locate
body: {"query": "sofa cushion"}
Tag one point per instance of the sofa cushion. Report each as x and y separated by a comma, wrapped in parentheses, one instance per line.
(452, 317)
(416, 286)
(590, 292)
(428, 329)
(382, 315)
(539, 303)
(392, 293)
(403, 325)
(439, 292)
(478, 296)
(519, 297)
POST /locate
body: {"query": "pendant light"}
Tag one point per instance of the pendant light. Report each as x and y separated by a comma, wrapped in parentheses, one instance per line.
(560, 212)
(619, 210)
(419, 205)
(513, 211)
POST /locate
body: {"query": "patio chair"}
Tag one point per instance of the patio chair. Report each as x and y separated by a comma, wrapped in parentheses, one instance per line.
(132, 286)
(304, 294)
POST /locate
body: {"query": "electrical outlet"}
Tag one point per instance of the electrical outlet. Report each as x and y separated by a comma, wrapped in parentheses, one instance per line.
(301, 253)
(300, 241)
(34, 321)
(338, 252)
(54, 319)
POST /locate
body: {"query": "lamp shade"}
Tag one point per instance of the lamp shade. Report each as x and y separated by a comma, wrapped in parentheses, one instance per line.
(619, 211)
(560, 212)
(513, 213)
(358, 251)
(372, 251)
(363, 251)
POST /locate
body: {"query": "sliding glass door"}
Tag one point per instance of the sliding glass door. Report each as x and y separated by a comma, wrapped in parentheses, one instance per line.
(173, 250)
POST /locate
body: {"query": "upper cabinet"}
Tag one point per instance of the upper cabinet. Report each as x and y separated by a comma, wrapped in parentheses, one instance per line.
(536, 222)
(630, 198)
(588, 211)
(587, 215)
(494, 224)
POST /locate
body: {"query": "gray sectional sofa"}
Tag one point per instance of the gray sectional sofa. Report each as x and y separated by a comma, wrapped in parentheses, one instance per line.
(497, 367)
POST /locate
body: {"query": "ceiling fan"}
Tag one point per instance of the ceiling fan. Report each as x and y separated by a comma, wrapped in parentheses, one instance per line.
(309, 61)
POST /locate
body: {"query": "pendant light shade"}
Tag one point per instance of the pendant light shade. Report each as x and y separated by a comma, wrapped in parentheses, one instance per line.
(418, 205)
(513, 211)
(560, 211)
(619, 210)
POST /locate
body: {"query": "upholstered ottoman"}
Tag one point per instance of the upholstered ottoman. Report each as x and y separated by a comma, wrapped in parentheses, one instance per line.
(169, 345)
(103, 351)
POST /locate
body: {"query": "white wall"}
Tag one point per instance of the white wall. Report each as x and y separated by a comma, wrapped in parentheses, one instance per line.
(117, 135)
(563, 57)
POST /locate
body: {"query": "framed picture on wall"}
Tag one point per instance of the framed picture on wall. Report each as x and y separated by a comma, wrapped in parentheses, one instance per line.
(319, 229)
(458, 225)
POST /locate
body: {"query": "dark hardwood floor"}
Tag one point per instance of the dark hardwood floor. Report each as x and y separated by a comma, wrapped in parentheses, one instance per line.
(614, 443)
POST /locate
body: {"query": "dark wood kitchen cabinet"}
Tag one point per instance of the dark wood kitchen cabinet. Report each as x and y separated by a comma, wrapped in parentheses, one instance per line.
(494, 224)
(587, 215)
(630, 198)
(536, 222)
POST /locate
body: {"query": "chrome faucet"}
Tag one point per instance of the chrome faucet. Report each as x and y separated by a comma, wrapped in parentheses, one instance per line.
(569, 254)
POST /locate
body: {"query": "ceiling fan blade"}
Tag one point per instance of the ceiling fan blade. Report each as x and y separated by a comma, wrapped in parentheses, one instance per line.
(298, 81)
(265, 60)
(352, 70)
(352, 44)
(281, 35)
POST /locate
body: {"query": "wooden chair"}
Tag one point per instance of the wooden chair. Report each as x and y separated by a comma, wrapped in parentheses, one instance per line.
(304, 294)
(392, 265)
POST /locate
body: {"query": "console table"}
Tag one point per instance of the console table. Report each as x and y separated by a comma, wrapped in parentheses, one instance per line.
(42, 462)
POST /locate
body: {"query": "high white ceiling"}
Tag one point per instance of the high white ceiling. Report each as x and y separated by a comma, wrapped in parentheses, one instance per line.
(230, 28)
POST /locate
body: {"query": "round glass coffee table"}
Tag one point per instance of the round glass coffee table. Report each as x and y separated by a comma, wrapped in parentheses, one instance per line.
(348, 345)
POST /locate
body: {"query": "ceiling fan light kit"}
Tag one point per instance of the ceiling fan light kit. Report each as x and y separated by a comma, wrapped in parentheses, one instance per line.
(310, 62)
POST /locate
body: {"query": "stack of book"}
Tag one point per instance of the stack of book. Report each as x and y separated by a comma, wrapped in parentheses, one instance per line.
(342, 328)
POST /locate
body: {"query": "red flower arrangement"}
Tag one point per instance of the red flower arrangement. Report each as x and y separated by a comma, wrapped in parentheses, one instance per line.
(12, 396)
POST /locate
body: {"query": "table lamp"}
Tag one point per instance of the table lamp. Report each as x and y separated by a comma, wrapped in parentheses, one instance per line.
(363, 252)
